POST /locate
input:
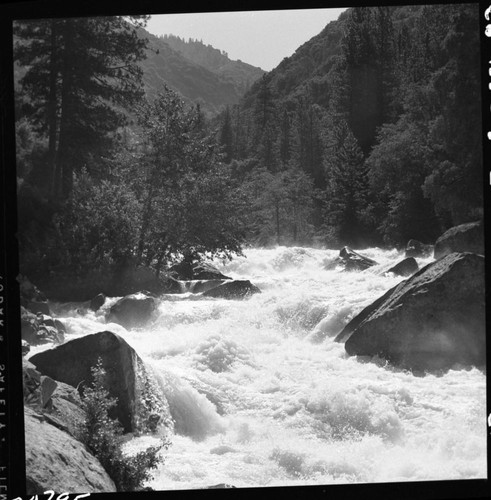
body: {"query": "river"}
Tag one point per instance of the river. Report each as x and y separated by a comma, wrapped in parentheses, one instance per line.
(263, 396)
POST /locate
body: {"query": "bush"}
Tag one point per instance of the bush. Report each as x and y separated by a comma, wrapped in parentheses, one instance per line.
(103, 436)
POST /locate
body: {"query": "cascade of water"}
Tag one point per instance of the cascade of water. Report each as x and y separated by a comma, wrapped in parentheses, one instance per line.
(261, 394)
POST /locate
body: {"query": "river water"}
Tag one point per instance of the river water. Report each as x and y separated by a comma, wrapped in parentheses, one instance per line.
(261, 395)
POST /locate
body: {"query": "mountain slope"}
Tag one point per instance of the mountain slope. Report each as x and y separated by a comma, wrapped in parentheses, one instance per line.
(212, 85)
(240, 73)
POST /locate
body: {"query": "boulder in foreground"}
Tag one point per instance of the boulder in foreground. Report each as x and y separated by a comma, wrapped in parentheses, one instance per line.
(236, 289)
(464, 238)
(431, 321)
(141, 404)
(56, 461)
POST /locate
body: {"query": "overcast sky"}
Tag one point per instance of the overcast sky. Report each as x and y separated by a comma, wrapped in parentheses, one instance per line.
(260, 38)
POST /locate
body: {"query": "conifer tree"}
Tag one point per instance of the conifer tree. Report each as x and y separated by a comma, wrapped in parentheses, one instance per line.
(81, 73)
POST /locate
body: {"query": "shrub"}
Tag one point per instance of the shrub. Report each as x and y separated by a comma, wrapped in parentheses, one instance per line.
(103, 436)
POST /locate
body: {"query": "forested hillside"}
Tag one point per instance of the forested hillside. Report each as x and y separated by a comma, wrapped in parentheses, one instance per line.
(243, 75)
(200, 74)
(369, 134)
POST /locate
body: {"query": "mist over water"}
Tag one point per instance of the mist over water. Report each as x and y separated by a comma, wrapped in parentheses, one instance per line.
(261, 395)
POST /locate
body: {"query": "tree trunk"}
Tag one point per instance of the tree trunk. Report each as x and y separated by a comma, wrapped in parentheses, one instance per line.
(64, 167)
(52, 112)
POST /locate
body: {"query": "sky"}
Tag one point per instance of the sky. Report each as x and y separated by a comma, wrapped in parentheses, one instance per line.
(260, 38)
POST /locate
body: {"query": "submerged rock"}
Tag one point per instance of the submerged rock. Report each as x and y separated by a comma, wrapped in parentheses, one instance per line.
(139, 397)
(56, 461)
(431, 321)
(236, 289)
(464, 238)
(415, 248)
(132, 311)
(406, 267)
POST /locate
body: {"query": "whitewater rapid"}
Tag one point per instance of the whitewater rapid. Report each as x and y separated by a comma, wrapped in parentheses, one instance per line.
(263, 396)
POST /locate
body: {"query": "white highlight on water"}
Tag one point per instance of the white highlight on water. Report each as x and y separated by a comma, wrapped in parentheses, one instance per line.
(263, 396)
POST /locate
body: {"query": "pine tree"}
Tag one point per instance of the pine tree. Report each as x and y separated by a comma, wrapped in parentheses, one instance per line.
(347, 190)
(81, 74)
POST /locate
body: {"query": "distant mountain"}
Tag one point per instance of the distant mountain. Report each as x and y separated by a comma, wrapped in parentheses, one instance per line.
(308, 67)
(243, 75)
(198, 72)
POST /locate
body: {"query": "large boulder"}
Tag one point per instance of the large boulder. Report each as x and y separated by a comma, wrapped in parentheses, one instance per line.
(351, 261)
(406, 267)
(431, 321)
(132, 311)
(236, 289)
(188, 270)
(415, 248)
(464, 238)
(205, 271)
(141, 405)
(56, 461)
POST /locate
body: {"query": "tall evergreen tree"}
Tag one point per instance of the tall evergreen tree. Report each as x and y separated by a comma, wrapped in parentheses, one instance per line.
(346, 196)
(81, 73)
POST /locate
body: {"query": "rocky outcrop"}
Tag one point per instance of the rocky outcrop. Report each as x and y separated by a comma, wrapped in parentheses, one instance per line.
(31, 298)
(58, 402)
(132, 311)
(406, 267)
(350, 260)
(141, 405)
(37, 388)
(56, 461)
(464, 238)
(236, 289)
(40, 328)
(415, 248)
(431, 321)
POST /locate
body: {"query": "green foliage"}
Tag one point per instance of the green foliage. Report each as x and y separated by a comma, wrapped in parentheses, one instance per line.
(346, 195)
(188, 196)
(103, 437)
(98, 226)
(280, 206)
(81, 73)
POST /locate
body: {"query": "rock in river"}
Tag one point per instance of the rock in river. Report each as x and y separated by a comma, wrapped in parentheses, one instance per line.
(415, 248)
(140, 400)
(406, 267)
(464, 238)
(431, 321)
(132, 311)
(351, 261)
(236, 289)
